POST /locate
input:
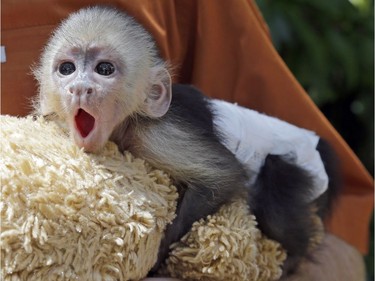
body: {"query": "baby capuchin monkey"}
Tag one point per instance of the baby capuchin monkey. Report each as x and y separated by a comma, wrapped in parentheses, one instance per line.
(101, 75)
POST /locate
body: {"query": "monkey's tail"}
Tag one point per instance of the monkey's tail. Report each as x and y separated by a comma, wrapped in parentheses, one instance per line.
(278, 200)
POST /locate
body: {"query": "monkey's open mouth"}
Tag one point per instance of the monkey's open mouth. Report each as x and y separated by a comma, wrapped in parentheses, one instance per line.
(85, 122)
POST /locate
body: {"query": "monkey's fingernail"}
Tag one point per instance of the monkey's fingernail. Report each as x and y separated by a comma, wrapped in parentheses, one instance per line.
(85, 122)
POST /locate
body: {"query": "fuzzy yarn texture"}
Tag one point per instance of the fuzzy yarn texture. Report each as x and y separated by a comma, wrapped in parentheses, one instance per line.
(70, 215)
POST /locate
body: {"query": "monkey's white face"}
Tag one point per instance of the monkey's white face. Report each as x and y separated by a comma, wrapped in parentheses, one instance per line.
(99, 68)
(88, 80)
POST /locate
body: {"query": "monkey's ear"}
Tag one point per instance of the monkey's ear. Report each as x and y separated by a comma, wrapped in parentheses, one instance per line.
(160, 93)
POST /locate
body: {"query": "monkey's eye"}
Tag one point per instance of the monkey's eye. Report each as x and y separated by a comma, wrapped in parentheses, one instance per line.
(67, 68)
(105, 68)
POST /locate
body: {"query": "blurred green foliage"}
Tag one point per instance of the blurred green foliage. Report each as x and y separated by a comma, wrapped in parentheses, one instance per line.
(329, 47)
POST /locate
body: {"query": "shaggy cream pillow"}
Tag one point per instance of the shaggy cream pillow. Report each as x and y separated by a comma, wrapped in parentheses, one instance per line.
(69, 215)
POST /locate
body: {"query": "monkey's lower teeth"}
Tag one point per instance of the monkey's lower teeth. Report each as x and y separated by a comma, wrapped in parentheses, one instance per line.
(85, 122)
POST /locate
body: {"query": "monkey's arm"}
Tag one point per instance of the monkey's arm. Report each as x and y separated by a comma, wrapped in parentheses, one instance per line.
(207, 174)
(184, 144)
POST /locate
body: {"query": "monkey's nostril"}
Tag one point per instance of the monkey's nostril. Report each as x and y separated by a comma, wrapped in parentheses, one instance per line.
(79, 91)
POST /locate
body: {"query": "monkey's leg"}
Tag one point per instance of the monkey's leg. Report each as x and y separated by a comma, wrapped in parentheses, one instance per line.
(197, 202)
(282, 206)
(280, 202)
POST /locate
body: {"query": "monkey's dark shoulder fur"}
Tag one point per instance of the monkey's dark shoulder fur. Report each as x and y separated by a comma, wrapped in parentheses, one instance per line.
(189, 104)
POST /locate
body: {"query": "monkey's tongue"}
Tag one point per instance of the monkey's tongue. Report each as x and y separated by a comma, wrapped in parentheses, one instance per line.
(85, 122)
